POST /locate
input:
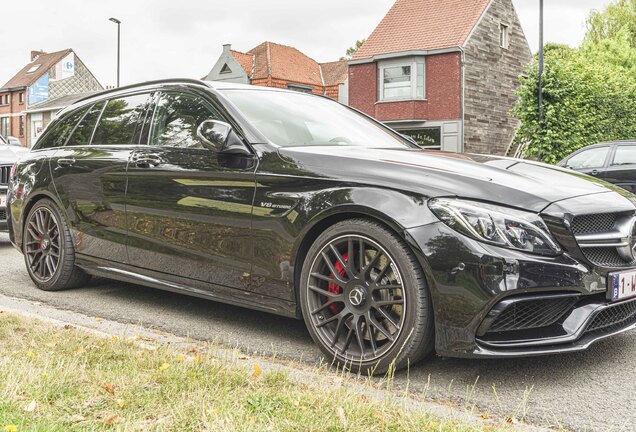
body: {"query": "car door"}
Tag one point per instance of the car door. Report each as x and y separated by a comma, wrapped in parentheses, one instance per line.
(89, 174)
(590, 161)
(189, 207)
(622, 167)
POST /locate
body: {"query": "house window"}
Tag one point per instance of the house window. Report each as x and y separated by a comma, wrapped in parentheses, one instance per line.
(22, 126)
(225, 69)
(21, 98)
(300, 88)
(7, 99)
(403, 80)
(504, 36)
(4, 126)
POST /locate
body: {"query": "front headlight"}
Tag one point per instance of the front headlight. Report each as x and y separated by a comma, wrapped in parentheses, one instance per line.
(500, 226)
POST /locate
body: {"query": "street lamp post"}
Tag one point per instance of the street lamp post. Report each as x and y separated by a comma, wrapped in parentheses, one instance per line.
(540, 68)
(116, 21)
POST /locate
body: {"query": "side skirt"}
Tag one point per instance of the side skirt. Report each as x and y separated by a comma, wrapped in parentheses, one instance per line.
(126, 273)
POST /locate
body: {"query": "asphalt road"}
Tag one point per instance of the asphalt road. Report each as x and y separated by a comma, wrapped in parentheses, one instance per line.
(594, 390)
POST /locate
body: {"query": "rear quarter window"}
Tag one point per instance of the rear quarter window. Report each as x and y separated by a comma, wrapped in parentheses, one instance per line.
(61, 130)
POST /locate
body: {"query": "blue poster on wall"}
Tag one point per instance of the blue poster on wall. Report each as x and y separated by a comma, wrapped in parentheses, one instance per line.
(39, 91)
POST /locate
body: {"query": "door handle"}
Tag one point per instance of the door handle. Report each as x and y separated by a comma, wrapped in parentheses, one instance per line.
(147, 161)
(65, 162)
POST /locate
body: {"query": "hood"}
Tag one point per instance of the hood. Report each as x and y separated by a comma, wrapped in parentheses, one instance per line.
(11, 154)
(513, 182)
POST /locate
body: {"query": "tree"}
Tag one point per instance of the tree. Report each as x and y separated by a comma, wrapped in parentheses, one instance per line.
(352, 50)
(589, 92)
(617, 16)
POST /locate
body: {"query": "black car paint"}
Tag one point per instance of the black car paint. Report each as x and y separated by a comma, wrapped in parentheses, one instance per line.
(247, 220)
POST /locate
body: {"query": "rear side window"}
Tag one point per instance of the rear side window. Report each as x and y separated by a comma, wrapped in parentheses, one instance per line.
(592, 158)
(84, 130)
(57, 136)
(120, 120)
(625, 155)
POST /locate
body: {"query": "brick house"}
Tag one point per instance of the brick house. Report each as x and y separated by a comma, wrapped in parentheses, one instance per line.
(47, 77)
(281, 66)
(444, 72)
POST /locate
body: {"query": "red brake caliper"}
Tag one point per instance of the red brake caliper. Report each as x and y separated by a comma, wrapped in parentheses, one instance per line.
(332, 287)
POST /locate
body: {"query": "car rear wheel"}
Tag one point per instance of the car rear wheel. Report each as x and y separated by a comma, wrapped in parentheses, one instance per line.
(364, 298)
(48, 249)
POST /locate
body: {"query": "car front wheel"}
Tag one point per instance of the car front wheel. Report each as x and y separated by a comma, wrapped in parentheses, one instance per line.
(364, 298)
(48, 249)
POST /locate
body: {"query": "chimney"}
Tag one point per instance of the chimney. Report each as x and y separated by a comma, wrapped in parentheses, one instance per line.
(36, 54)
(227, 48)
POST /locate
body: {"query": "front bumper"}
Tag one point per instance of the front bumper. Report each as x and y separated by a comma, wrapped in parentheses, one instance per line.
(495, 302)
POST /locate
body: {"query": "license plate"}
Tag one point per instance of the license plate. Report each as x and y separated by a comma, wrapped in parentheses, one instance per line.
(3, 200)
(623, 285)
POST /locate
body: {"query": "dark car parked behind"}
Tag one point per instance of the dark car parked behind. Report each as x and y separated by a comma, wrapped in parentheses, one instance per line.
(294, 204)
(614, 162)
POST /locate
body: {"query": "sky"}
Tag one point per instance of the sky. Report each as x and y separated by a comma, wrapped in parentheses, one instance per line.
(184, 38)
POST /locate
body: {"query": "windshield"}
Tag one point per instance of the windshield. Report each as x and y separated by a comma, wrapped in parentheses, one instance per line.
(296, 119)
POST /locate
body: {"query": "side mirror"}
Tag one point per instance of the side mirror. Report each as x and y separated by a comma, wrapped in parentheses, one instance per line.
(214, 134)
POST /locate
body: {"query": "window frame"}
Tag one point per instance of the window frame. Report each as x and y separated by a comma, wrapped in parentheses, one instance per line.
(413, 62)
(504, 35)
(584, 150)
(137, 135)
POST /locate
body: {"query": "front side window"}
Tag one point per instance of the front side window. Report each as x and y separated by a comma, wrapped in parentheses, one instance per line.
(625, 155)
(402, 80)
(57, 136)
(296, 119)
(120, 120)
(176, 119)
(84, 130)
(593, 158)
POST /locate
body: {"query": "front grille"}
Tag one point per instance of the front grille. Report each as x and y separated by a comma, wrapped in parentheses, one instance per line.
(614, 318)
(3, 214)
(605, 257)
(5, 171)
(593, 223)
(532, 313)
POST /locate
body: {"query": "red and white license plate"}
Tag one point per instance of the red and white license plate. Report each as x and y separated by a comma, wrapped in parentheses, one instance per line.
(623, 285)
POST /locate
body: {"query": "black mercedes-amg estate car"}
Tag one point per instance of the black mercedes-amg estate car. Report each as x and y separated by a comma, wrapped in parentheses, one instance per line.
(294, 204)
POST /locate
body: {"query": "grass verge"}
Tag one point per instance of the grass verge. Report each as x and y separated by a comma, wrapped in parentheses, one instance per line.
(59, 379)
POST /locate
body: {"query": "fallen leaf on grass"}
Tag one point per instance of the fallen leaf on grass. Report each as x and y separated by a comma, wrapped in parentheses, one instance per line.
(111, 418)
(10, 428)
(256, 371)
(121, 403)
(99, 319)
(76, 418)
(109, 388)
(164, 366)
(31, 406)
(340, 413)
(180, 358)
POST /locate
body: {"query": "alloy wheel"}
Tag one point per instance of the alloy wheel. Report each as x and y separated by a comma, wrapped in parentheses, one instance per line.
(42, 244)
(356, 299)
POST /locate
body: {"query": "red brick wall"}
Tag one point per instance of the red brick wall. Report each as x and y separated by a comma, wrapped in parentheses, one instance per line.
(443, 91)
(15, 107)
(331, 91)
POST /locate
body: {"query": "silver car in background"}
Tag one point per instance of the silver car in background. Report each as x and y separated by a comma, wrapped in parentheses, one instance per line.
(9, 154)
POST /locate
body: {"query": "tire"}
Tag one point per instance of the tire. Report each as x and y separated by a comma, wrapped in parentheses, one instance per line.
(372, 320)
(48, 250)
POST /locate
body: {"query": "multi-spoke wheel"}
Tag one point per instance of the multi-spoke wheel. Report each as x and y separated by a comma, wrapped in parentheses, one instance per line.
(364, 298)
(48, 249)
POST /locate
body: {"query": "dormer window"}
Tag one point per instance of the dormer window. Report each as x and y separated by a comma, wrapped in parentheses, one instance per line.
(504, 36)
(33, 68)
(402, 79)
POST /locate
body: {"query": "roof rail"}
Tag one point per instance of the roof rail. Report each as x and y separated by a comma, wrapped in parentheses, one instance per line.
(143, 84)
